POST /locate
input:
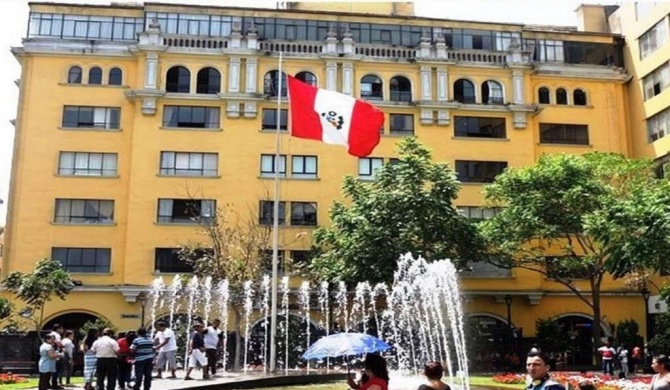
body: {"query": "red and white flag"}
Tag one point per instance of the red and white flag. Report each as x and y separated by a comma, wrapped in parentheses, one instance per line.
(333, 118)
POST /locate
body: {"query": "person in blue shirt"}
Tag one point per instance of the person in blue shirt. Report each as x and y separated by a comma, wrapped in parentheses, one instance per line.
(143, 351)
(47, 363)
(537, 367)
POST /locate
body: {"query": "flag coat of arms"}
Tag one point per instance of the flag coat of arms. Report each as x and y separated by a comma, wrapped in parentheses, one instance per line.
(333, 118)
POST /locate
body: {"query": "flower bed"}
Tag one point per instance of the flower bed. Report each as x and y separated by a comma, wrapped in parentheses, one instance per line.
(10, 379)
(600, 381)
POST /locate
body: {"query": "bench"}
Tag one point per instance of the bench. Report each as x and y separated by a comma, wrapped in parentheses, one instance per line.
(18, 367)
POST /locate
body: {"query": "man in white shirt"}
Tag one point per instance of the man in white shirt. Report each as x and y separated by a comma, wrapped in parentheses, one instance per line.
(212, 339)
(167, 350)
(106, 349)
(57, 377)
(68, 354)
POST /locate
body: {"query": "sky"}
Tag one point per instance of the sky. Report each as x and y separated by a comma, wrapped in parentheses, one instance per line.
(14, 19)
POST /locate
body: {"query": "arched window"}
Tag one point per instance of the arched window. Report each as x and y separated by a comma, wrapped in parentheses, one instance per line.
(372, 88)
(464, 91)
(543, 96)
(178, 80)
(271, 83)
(307, 78)
(579, 97)
(95, 76)
(561, 96)
(115, 77)
(401, 89)
(209, 81)
(492, 93)
(74, 75)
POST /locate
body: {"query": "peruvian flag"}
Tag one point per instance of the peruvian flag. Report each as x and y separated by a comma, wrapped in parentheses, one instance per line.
(333, 118)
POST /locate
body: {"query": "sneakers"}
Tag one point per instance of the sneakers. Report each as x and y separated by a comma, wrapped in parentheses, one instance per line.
(188, 378)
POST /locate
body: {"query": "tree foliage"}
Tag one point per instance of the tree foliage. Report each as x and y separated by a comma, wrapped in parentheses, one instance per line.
(35, 289)
(660, 343)
(550, 336)
(408, 208)
(627, 334)
(575, 218)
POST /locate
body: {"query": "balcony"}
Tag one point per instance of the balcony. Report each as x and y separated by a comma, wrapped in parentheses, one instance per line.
(195, 43)
(477, 56)
(292, 48)
(379, 51)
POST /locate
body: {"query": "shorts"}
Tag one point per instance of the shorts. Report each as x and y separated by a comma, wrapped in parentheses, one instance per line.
(197, 356)
(169, 357)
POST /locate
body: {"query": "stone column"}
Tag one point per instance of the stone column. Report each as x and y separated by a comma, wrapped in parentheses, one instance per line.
(331, 76)
(251, 73)
(442, 84)
(426, 83)
(234, 75)
(348, 78)
(517, 81)
(151, 72)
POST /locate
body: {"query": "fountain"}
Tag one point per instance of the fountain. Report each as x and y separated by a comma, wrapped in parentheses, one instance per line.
(419, 314)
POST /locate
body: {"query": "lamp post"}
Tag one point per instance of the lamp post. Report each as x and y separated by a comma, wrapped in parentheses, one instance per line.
(645, 295)
(142, 299)
(508, 302)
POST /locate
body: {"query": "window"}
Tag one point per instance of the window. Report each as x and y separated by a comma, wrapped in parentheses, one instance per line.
(307, 78)
(479, 127)
(503, 39)
(657, 125)
(178, 79)
(663, 167)
(209, 81)
(550, 51)
(95, 76)
(492, 93)
(300, 257)
(464, 91)
(304, 167)
(185, 210)
(561, 96)
(266, 214)
(91, 117)
(271, 84)
(189, 164)
(83, 260)
(477, 212)
(192, 24)
(543, 95)
(270, 119)
(372, 88)
(269, 165)
(115, 77)
(578, 97)
(401, 89)
(74, 75)
(89, 27)
(87, 164)
(367, 167)
(303, 214)
(558, 133)
(92, 211)
(650, 41)
(167, 260)
(479, 171)
(191, 117)
(657, 81)
(401, 124)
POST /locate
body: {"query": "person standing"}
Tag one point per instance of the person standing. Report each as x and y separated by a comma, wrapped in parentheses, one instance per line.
(433, 372)
(537, 367)
(661, 366)
(90, 360)
(68, 355)
(637, 357)
(47, 363)
(167, 350)
(212, 341)
(106, 350)
(142, 349)
(124, 366)
(623, 359)
(378, 375)
(607, 353)
(197, 349)
(56, 376)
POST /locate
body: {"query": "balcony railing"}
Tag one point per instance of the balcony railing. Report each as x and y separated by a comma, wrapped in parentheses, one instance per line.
(401, 96)
(385, 52)
(477, 56)
(195, 43)
(467, 99)
(292, 47)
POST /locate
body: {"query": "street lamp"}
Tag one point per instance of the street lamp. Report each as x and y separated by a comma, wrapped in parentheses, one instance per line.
(142, 299)
(508, 302)
(645, 295)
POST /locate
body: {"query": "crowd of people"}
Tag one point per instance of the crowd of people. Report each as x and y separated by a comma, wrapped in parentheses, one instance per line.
(127, 359)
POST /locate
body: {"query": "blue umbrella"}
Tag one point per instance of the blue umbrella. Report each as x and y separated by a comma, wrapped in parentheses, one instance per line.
(341, 344)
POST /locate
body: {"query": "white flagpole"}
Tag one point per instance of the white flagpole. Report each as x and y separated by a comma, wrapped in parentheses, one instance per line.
(275, 225)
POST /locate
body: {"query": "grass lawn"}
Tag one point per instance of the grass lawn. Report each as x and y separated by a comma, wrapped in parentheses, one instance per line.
(32, 383)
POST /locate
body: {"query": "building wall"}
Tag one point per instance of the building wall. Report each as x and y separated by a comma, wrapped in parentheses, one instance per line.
(240, 141)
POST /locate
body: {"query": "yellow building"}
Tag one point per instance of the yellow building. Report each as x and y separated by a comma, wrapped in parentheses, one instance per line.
(127, 112)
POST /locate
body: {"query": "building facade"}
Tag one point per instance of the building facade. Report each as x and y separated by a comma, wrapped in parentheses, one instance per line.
(130, 114)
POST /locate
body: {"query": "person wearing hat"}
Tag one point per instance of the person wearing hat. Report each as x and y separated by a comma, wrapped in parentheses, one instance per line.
(197, 352)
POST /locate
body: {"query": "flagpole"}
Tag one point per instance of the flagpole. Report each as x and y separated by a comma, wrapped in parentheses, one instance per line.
(275, 225)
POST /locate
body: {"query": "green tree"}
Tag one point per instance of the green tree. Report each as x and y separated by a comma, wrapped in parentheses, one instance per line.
(550, 336)
(35, 289)
(575, 218)
(407, 208)
(660, 343)
(627, 334)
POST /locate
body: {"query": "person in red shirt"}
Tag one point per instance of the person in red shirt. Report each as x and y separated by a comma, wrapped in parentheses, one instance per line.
(378, 375)
(636, 357)
(123, 362)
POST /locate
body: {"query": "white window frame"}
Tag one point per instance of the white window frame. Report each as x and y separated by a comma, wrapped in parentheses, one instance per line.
(654, 38)
(660, 76)
(189, 164)
(269, 166)
(368, 166)
(304, 167)
(87, 164)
